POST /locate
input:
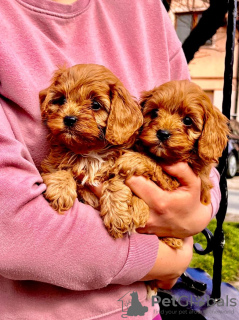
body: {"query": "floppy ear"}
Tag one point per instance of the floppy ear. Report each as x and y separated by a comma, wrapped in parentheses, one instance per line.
(43, 93)
(125, 117)
(145, 96)
(213, 139)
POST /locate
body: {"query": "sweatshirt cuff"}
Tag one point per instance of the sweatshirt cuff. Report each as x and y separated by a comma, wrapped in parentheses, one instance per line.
(143, 250)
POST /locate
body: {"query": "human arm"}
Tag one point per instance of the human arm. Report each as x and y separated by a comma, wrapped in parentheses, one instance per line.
(170, 263)
(70, 250)
(176, 213)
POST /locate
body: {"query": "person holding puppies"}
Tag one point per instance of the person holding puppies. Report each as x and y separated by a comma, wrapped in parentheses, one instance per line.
(67, 266)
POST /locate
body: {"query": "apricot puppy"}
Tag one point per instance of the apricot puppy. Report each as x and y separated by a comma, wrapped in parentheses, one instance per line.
(92, 120)
(180, 124)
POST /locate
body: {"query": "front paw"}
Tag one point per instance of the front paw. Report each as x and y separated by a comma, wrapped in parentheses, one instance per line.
(120, 210)
(116, 209)
(174, 243)
(61, 190)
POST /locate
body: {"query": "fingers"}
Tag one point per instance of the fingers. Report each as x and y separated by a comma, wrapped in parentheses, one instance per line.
(97, 190)
(183, 173)
(145, 189)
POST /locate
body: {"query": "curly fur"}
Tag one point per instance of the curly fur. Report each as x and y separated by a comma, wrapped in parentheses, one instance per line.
(196, 133)
(106, 124)
(199, 141)
(97, 148)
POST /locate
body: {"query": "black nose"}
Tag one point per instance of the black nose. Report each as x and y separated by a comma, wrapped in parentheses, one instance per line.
(69, 121)
(163, 135)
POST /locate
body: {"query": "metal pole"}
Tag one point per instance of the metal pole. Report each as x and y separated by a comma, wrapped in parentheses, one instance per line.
(226, 106)
(237, 84)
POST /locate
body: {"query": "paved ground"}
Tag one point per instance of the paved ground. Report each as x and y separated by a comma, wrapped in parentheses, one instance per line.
(233, 183)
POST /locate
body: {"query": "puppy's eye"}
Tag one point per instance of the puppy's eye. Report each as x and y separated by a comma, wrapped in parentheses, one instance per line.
(154, 113)
(96, 105)
(60, 101)
(187, 121)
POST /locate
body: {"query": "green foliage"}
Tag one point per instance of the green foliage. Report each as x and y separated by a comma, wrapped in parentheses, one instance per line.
(230, 261)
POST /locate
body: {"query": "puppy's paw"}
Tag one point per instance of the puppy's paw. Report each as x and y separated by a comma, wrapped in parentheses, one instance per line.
(140, 212)
(86, 196)
(173, 242)
(117, 219)
(61, 190)
(116, 208)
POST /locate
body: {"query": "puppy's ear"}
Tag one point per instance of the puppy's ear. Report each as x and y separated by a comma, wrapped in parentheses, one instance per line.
(213, 139)
(125, 117)
(145, 96)
(43, 94)
(43, 105)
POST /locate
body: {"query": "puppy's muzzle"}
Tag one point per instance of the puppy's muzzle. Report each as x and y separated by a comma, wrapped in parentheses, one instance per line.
(163, 135)
(69, 121)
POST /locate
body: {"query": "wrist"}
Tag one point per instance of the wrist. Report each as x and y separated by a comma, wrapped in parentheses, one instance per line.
(170, 263)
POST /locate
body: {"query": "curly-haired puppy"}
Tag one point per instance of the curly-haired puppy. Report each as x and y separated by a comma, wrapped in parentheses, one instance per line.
(180, 124)
(92, 120)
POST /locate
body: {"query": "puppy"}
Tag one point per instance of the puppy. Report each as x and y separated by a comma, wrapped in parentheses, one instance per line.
(92, 120)
(180, 124)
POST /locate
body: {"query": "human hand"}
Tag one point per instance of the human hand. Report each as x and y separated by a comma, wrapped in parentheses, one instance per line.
(177, 213)
(170, 264)
(97, 190)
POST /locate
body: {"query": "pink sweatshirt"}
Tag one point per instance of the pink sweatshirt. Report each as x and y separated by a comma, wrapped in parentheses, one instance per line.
(67, 266)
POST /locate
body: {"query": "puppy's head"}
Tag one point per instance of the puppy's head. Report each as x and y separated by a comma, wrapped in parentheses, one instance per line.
(181, 124)
(87, 108)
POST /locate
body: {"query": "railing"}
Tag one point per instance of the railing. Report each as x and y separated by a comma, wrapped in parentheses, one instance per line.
(216, 242)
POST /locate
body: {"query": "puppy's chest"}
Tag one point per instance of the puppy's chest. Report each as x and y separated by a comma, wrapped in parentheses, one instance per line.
(92, 169)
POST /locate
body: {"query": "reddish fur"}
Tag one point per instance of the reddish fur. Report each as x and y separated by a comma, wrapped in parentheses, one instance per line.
(97, 148)
(200, 144)
(111, 131)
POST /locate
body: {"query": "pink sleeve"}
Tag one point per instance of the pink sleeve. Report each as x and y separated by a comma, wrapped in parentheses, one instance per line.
(72, 250)
(178, 66)
(215, 191)
(177, 61)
